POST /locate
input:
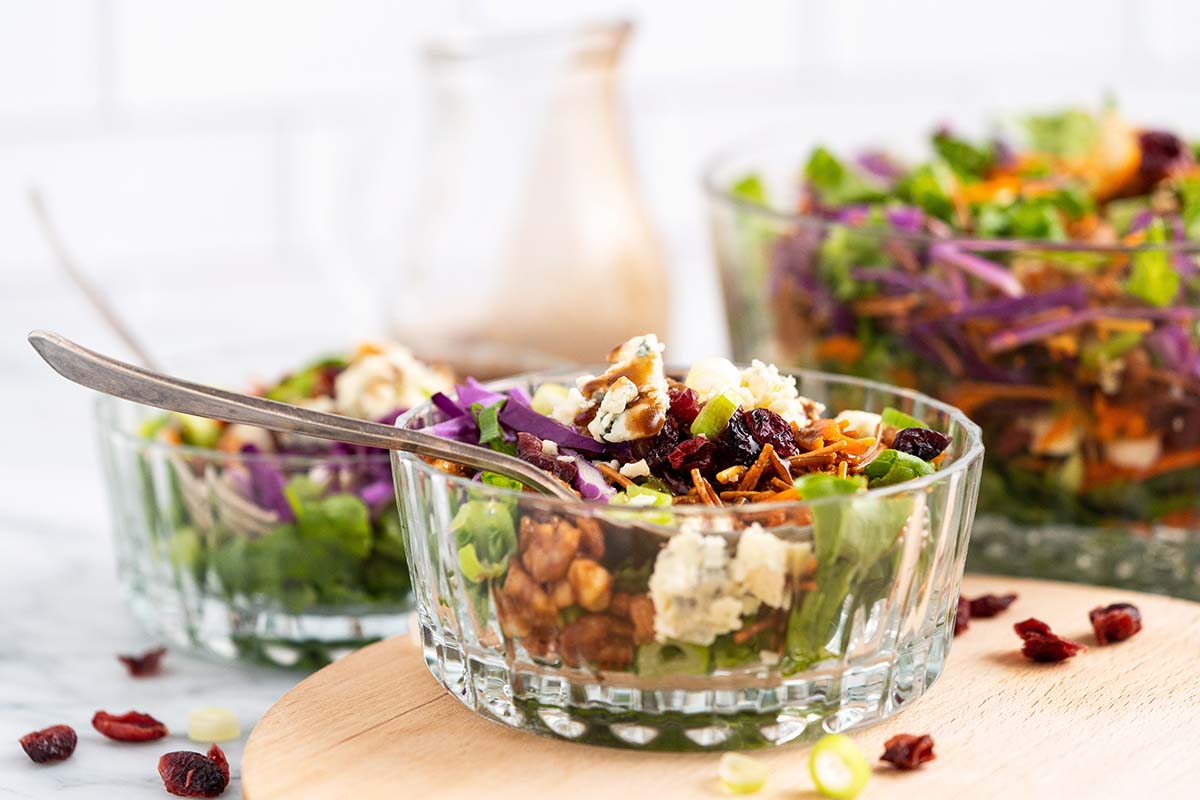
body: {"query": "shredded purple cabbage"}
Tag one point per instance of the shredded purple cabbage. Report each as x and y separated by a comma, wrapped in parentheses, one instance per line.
(267, 484)
(521, 417)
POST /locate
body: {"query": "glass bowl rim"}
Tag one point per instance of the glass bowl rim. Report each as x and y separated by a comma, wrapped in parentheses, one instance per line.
(742, 148)
(105, 410)
(973, 453)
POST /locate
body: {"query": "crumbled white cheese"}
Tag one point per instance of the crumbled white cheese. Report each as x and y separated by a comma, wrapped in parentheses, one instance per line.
(699, 592)
(641, 500)
(1138, 453)
(549, 447)
(860, 423)
(758, 386)
(632, 394)
(383, 378)
(612, 413)
(690, 587)
(570, 407)
(768, 657)
(760, 568)
(638, 469)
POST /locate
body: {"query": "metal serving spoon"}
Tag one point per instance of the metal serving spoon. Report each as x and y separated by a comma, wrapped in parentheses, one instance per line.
(119, 379)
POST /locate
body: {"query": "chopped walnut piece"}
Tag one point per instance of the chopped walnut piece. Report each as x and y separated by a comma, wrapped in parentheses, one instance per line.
(591, 539)
(562, 593)
(597, 640)
(591, 583)
(522, 606)
(548, 548)
(641, 613)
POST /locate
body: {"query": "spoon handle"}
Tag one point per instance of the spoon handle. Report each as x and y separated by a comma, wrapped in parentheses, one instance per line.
(119, 379)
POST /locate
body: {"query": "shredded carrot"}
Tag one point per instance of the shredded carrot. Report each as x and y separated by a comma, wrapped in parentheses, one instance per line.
(750, 480)
(1063, 425)
(970, 395)
(843, 467)
(781, 469)
(747, 632)
(613, 475)
(704, 489)
(841, 348)
(732, 474)
(856, 447)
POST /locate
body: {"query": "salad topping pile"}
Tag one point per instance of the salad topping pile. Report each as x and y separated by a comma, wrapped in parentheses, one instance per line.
(1046, 282)
(666, 595)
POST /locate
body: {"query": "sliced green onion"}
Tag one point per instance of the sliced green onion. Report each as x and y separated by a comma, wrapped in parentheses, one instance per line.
(742, 774)
(672, 658)
(895, 418)
(547, 397)
(713, 418)
(838, 767)
(657, 498)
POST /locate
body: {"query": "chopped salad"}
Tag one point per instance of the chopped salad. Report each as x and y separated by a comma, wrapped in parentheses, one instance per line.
(586, 589)
(289, 519)
(1044, 280)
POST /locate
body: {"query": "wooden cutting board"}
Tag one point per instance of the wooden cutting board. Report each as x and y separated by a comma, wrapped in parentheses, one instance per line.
(1119, 721)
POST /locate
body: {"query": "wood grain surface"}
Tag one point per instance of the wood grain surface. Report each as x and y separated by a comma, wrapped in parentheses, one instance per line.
(1121, 721)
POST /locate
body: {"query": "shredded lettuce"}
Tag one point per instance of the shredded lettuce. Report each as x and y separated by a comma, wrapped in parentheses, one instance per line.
(837, 184)
(1070, 134)
(964, 158)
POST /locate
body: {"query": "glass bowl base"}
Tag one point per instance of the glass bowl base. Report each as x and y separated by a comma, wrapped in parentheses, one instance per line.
(750, 711)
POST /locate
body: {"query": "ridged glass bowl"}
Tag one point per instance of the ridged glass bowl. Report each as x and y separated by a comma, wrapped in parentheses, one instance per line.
(210, 563)
(542, 614)
(1088, 398)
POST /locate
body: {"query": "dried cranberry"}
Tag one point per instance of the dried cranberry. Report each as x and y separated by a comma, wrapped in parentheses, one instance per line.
(132, 726)
(962, 616)
(218, 757)
(923, 443)
(905, 751)
(696, 453)
(529, 448)
(736, 445)
(657, 449)
(1042, 645)
(767, 427)
(685, 403)
(189, 774)
(55, 743)
(989, 605)
(1161, 152)
(148, 663)
(1115, 623)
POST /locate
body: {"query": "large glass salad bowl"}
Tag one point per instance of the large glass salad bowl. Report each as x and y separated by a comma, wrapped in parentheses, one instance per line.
(1046, 283)
(626, 623)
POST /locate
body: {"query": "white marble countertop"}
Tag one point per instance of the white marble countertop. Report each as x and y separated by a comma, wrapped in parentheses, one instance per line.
(62, 619)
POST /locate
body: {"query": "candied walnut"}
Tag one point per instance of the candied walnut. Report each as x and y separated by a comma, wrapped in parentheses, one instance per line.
(989, 605)
(591, 539)
(132, 726)
(1042, 645)
(148, 663)
(562, 594)
(548, 548)
(962, 616)
(591, 583)
(905, 751)
(641, 613)
(598, 640)
(522, 606)
(619, 605)
(188, 774)
(1115, 623)
(55, 743)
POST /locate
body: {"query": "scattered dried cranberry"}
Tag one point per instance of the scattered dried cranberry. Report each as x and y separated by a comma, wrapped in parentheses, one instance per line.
(656, 450)
(696, 453)
(529, 448)
(962, 616)
(989, 605)
(55, 743)
(736, 445)
(132, 726)
(905, 751)
(189, 774)
(1043, 645)
(1115, 623)
(218, 757)
(923, 443)
(685, 403)
(767, 427)
(148, 663)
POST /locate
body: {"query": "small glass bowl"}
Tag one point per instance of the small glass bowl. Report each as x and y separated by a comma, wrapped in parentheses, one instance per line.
(206, 562)
(1093, 469)
(536, 612)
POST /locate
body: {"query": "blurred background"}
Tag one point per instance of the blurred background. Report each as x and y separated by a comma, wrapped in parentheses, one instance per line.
(244, 175)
